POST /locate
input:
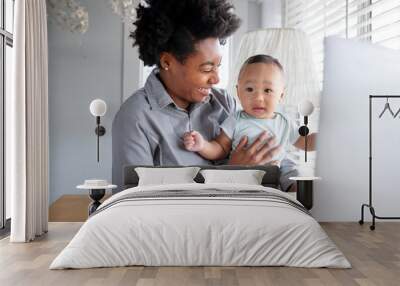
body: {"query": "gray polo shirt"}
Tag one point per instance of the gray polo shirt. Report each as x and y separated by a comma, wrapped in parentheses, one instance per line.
(148, 128)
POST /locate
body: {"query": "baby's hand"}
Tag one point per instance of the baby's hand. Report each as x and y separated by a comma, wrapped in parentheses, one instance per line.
(275, 163)
(193, 141)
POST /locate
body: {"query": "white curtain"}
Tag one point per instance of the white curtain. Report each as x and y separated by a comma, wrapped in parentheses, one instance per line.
(27, 123)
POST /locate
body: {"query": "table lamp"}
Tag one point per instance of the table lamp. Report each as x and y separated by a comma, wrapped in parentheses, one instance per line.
(98, 108)
(305, 109)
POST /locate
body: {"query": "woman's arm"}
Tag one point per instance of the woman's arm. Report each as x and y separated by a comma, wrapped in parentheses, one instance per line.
(130, 145)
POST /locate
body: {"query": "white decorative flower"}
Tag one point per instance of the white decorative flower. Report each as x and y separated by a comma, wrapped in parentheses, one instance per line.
(126, 9)
(72, 16)
(69, 15)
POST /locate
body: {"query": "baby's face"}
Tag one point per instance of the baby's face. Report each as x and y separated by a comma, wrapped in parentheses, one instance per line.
(260, 88)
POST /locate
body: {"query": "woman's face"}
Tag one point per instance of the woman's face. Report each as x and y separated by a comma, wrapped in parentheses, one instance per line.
(191, 81)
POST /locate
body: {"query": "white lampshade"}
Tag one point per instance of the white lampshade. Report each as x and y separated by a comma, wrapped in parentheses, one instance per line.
(306, 107)
(98, 107)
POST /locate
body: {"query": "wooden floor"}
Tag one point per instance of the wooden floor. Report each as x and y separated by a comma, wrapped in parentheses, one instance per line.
(71, 208)
(375, 257)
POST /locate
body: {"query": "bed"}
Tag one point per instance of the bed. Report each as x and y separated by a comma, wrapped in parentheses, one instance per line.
(201, 224)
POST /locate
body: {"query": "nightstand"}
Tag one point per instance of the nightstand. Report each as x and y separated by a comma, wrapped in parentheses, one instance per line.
(97, 190)
(304, 192)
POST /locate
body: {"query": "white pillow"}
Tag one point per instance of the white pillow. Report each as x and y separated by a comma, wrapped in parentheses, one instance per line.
(248, 177)
(164, 176)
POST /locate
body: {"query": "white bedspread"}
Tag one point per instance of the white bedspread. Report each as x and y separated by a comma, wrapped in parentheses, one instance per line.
(188, 230)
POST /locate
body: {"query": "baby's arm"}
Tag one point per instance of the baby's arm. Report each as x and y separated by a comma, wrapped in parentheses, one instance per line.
(301, 142)
(216, 149)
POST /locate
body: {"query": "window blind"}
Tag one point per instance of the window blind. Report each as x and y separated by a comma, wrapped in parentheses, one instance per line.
(376, 21)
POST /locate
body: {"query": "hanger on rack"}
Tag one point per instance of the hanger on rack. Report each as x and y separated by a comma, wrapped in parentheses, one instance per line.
(397, 113)
(387, 107)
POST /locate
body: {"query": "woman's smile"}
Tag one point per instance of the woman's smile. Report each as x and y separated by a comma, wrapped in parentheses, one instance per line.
(204, 91)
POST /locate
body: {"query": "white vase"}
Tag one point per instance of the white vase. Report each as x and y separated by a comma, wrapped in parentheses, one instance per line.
(306, 169)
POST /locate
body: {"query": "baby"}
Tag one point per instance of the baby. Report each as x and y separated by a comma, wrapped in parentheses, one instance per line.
(260, 89)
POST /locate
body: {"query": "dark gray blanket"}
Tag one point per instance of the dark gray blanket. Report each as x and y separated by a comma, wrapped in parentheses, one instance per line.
(206, 194)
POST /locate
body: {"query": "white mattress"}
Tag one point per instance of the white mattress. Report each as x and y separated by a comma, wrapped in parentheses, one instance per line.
(182, 231)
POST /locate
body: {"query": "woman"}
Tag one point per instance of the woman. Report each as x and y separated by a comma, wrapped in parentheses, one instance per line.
(183, 39)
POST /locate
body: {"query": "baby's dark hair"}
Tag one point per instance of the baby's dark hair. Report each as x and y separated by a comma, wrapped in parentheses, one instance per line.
(261, 58)
(175, 26)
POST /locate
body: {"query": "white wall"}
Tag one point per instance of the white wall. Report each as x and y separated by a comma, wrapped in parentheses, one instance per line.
(255, 14)
(353, 71)
(82, 68)
(272, 13)
(131, 71)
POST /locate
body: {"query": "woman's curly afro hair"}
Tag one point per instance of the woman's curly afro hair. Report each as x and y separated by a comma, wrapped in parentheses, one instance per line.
(175, 26)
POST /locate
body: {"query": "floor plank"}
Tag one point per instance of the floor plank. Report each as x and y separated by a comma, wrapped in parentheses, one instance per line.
(71, 208)
(375, 256)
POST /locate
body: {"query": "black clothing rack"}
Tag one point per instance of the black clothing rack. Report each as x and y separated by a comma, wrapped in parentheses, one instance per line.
(369, 205)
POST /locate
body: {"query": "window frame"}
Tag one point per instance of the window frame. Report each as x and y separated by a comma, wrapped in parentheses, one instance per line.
(6, 39)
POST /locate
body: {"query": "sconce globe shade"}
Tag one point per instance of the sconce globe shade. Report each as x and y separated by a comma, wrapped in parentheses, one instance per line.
(98, 107)
(306, 108)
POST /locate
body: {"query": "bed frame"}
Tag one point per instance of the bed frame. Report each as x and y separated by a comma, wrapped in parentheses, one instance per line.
(270, 179)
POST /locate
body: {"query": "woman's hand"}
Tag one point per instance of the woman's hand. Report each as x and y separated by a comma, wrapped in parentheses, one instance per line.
(193, 141)
(262, 151)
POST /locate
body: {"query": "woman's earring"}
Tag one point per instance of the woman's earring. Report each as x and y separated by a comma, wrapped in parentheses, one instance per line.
(166, 68)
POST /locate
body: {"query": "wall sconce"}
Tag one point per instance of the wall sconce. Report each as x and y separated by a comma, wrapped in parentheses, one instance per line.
(305, 109)
(98, 108)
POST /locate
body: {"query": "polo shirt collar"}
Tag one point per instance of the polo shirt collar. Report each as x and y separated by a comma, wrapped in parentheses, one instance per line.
(156, 90)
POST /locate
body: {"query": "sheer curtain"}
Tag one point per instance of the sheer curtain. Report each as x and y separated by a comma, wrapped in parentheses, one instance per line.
(27, 124)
